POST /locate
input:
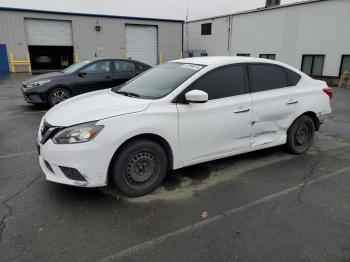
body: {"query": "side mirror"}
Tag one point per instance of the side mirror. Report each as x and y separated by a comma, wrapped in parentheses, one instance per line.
(82, 74)
(196, 96)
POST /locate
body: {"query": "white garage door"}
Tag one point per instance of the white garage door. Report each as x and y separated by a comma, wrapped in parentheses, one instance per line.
(49, 32)
(141, 43)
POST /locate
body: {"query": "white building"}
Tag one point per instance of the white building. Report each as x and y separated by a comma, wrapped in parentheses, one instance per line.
(313, 35)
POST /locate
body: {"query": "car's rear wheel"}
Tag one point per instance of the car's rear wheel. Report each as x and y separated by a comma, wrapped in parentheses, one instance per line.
(139, 168)
(301, 134)
(58, 95)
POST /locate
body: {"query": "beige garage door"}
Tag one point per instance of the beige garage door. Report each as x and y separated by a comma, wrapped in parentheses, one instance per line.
(142, 43)
(42, 32)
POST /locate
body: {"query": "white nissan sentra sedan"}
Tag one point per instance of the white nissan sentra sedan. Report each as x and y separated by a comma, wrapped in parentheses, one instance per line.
(178, 114)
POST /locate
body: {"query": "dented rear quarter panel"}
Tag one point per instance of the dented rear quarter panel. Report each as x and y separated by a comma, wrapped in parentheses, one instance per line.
(274, 111)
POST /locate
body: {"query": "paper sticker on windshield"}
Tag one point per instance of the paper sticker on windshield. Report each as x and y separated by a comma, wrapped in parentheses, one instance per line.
(193, 67)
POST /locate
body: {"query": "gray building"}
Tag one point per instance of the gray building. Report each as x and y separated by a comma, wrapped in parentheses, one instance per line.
(54, 40)
(310, 35)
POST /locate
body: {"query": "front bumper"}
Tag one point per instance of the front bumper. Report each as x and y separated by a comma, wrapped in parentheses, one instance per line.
(32, 97)
(89, 159)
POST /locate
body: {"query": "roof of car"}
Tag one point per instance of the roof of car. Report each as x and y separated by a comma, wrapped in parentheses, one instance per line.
(212, 60)
(94, 59)
(105, 58)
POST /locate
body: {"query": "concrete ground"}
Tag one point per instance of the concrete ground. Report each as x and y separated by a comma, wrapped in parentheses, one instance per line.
(262, 206)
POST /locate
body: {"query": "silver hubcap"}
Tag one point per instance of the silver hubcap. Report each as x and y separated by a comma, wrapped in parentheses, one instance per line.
(59, 96)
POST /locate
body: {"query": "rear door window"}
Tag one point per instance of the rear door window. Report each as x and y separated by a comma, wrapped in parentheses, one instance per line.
(124, 66)
(265, 77)
(293, 77)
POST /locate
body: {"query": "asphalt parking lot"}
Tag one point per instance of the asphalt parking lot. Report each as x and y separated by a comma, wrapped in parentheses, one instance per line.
(262, 206)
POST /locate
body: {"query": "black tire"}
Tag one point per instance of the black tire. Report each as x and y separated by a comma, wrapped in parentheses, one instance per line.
(301, 134)
(139, 168)
(57, 95)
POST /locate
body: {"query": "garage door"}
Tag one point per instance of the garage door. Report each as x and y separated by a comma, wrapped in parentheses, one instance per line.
(49, 32)
(141, 43)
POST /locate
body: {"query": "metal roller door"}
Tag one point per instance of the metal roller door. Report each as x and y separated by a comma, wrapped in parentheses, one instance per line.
(141, 43)
(49, 32)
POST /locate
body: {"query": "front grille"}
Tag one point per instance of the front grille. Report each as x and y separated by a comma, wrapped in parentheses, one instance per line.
(45, 128)
(47, 131)
(72, 173)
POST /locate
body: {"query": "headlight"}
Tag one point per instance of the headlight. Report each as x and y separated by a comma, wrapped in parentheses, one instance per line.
(77, 134)
(38, 83)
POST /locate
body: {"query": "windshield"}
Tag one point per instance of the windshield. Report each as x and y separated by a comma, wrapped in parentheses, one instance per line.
(159, 81)
(72, 68)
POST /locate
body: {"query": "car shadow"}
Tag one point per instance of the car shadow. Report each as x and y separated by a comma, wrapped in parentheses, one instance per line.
(200, 172)
(29, 109)
(36, 107)
(66, 193)
(196, 174)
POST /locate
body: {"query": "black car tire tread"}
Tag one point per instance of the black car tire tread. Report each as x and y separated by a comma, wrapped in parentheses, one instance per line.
(292, 145)
(118, 175)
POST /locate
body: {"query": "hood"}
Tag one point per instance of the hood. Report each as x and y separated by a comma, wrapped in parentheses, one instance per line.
(51, 75)
(92, 107)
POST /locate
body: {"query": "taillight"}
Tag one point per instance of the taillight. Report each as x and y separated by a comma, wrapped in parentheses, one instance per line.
(329, 92)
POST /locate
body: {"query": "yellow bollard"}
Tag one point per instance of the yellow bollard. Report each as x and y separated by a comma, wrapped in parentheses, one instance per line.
(181, 54)
(15, 63)
(161, 58)
(76, 58)
(29, 64)
(13, 70)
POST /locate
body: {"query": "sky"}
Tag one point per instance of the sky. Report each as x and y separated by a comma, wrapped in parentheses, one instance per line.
(168, 9)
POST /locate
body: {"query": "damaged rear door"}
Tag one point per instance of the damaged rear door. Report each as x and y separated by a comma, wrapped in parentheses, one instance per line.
(274, 104)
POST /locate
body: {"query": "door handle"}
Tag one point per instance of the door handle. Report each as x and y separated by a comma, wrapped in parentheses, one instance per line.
(243, 110)
(108, 77)
(292, 102)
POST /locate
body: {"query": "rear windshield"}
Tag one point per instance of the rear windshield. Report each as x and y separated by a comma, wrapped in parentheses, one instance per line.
(159, 81)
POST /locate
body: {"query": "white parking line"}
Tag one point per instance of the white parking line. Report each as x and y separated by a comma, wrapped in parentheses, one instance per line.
(17, 154)
(160, 239)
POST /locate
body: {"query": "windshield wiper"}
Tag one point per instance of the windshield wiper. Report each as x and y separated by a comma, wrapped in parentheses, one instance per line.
(129, 94)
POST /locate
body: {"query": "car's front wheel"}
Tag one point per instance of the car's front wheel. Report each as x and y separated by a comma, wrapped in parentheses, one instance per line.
(58, 95)
(301, 134)
(139, 168)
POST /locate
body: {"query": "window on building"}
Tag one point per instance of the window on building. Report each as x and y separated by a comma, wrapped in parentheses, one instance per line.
(345, 64)
(266, 77)
(312, 65)
(268, 56)
(242, 54)
(223, 82)
(206, 29)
